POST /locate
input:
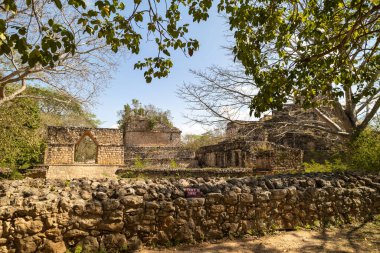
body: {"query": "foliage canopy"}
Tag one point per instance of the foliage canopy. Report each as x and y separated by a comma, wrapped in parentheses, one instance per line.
(119, 23)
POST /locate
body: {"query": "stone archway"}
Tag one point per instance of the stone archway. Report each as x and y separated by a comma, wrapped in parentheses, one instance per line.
(86, 149)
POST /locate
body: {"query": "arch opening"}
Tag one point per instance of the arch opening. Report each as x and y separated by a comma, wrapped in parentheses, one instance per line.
(86, 151)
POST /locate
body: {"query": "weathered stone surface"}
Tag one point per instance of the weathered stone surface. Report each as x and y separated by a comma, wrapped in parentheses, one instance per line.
(113, 216)
(54, 247)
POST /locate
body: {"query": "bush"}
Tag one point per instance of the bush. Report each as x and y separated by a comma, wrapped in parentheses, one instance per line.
(173, 164)
(139, 163)
(364, 153)
(336, 165)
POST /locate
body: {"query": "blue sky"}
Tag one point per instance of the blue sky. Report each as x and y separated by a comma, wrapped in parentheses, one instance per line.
(129, 83)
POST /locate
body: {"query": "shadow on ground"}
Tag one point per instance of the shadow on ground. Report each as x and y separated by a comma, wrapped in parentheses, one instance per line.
(349, 239)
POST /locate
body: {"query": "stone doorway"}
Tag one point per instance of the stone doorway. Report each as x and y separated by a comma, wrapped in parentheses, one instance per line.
(86, 150)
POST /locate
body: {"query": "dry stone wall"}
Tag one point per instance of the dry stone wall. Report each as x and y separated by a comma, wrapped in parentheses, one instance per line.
(52, 215)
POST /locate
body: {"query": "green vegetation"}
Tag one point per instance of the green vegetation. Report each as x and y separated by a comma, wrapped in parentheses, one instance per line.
(365, 152)
(327, 166)
(362, 154)
(173, 164)
(139, 163)
(20, 134)
(115, 24)
(153, 114)
(194, 141)
(295, 50)
(86, 151)
(23, 122)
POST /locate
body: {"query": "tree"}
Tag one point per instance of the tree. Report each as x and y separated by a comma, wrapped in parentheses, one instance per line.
(150, 112)
(311, 52)
(32, 35)
(20, 133)
(218, 95)
(23, 123)
(63, 43)
(55, 113)
(224, 95)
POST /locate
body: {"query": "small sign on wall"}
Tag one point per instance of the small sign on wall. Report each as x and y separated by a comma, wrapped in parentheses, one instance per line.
(193, 193)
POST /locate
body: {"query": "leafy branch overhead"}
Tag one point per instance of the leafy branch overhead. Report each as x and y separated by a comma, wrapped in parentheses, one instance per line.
(308, 50)
(119, 23)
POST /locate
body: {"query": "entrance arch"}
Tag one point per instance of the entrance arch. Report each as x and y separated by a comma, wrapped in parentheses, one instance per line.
(86, 149)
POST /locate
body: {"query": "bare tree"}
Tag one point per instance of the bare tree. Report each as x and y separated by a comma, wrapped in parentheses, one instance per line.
(220, 95)
(80, 75)
(225, 95)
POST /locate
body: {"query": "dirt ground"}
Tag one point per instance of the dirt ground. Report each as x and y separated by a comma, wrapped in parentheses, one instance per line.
(353, 238)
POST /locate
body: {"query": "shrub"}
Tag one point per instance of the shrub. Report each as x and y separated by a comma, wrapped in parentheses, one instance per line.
(364, 152)
(139, 163)
(173, 164)
(336, 165)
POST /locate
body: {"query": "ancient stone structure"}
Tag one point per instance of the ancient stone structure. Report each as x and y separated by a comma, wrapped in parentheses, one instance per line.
(281, 128)
(259, 155)
(61, 143)
(140, 132)
(110, 215)
(254, 144)
(156, 144)
(151, 145)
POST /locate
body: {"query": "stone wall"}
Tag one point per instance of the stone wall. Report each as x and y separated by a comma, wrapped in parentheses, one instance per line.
(61, 143)
(68, 172)
(317, 145)
(183, 172)
(149, 139)
(161, 156)
(139, 132)
(53, 215)
(259, 155)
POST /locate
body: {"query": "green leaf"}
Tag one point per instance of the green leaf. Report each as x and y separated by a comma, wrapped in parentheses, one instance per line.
(58, 4)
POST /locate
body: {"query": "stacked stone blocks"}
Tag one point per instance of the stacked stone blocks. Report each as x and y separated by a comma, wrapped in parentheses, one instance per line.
(111, 215)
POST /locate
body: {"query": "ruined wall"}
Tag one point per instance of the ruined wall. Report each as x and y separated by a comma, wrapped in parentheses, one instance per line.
(61, 143)
(162, 156)
(51, 216)
(251, 154)
(317, 145)
(152, 139)
(141, 132)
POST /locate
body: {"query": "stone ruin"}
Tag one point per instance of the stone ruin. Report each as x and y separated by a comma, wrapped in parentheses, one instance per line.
(271, 144)
(281, 128)
(254, 144)
(261, 156)
(139, 141)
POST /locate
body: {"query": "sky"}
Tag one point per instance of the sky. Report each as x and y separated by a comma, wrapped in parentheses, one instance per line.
(128, 83)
